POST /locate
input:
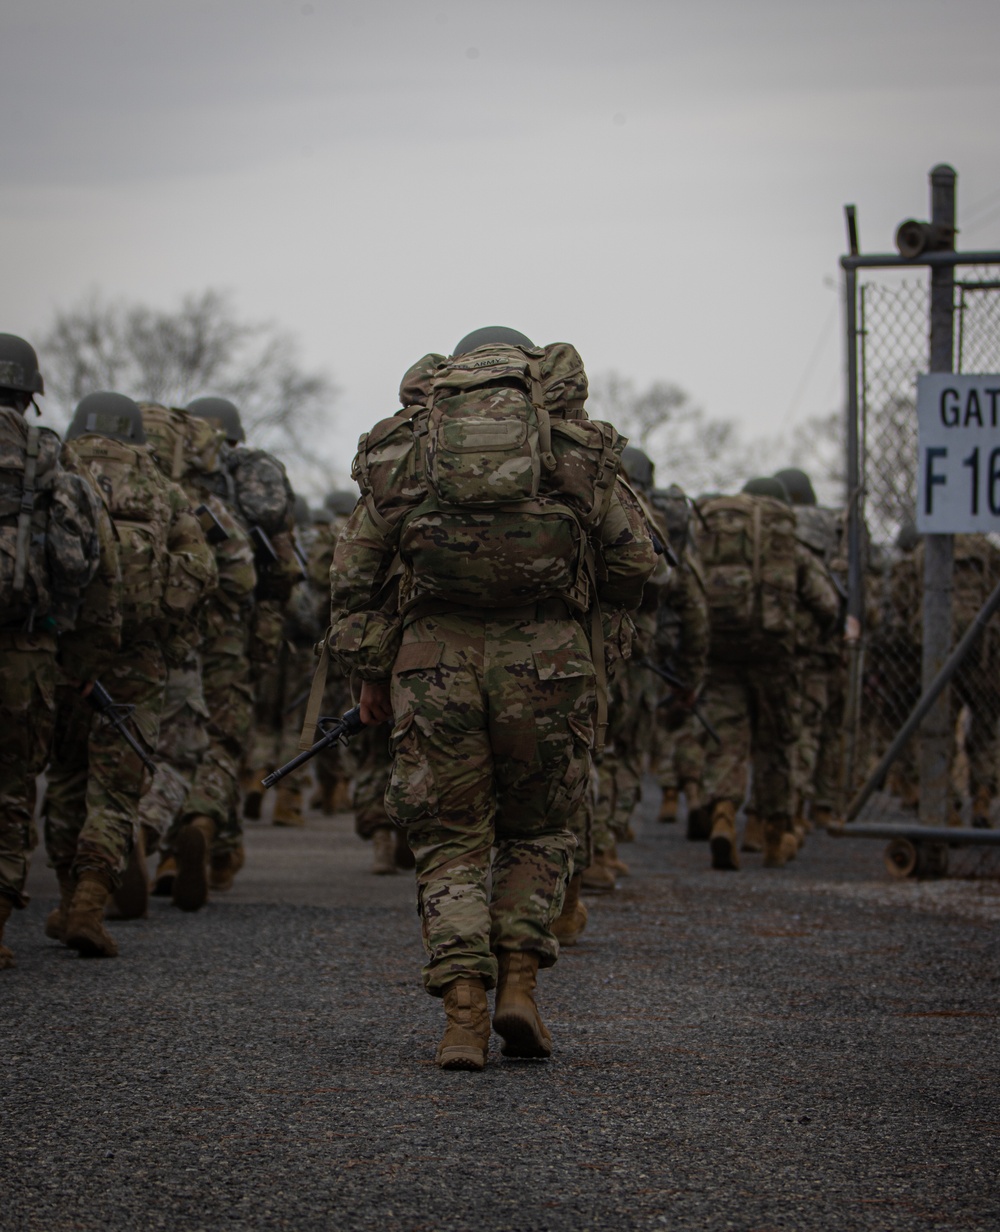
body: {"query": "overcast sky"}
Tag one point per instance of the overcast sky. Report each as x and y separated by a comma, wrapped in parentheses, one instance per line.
(661, 183)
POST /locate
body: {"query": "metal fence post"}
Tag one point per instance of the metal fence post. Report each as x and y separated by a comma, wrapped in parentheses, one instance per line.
(936, 734)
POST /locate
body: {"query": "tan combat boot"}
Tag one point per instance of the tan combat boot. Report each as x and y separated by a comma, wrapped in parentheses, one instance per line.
(981, 805)
(669, 804)
(85, 931)
(55, 922)
(163, 882)
(253, 793)
(692, 793)
(194, 842)
(131, 898)
(753, 832)
(822, 816)
(598, 877)
(613, 861)
(288, 807)
(466, 1039)
(515, 1016)
(775, 847)
(573, 918)
(223, 867)
(6, 954)
(722, 836)
(384, 852)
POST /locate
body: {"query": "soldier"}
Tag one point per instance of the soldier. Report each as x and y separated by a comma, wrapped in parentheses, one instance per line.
(822, 666)
(95, 781)
(51, 533)
(203, 847)
(756, 575)
(467, 580)
(256, 488)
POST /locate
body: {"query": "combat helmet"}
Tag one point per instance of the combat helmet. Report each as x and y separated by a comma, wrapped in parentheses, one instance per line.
(638, 467)
(799, 485)
(221, 414)
(19, 366)
(341, 501)
(108, 414)
(491, 335)
(765, 486)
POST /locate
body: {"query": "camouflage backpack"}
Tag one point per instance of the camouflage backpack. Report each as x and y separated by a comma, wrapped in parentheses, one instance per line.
(260, 489)
(747, 547)
(48, 528)
(133, 494)
(491, 483)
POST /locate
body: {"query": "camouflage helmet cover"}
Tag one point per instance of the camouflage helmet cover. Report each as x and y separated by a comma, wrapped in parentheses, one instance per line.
(222, 414)
(108, 414)
(19, 366)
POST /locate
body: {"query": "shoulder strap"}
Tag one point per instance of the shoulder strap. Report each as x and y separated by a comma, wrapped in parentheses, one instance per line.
(27, 509)
(316, 691)
(542, 414)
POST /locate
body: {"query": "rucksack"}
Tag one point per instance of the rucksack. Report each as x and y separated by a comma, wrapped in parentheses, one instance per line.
(488, 494)
(48, 528)
(133, 494)
(747, 547)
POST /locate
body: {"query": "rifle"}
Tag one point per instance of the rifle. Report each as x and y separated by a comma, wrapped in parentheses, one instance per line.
(677, 685)
(339, 731)
(108, 709)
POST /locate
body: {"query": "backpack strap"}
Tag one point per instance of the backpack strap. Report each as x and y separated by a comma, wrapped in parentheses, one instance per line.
(544, 423)
(26, 510)
(597, 653)
(316, 690)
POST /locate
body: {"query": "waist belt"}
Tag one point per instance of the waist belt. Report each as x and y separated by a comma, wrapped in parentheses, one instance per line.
(546, 609)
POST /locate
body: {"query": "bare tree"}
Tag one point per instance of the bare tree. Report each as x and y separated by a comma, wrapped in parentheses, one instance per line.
(201, 347)
(704, 454)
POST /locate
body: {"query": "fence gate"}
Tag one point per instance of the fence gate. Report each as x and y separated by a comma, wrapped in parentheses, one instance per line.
(897, 312)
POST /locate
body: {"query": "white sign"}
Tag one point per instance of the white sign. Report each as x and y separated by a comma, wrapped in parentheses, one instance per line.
(958, 473)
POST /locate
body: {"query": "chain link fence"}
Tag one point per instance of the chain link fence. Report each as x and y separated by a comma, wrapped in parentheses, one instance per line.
(893, 328)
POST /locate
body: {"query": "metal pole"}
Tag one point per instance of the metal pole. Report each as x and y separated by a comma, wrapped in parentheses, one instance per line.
(936, 734)
(931, 693)
(855, 573)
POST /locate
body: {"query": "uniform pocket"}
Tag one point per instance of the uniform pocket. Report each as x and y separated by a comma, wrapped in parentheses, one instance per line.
(411, 794)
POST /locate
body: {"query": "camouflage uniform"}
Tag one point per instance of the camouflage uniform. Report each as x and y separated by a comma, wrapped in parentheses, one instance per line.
(67, 532)
(95, 779)
(494, 708)
(752, 694)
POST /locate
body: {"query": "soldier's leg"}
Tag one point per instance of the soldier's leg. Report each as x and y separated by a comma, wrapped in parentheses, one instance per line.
(726, 704)
(828, 759)
(441, 789)
(116, 776)
(815, 699)
(390, 851)
(27, 715)
(777, 704)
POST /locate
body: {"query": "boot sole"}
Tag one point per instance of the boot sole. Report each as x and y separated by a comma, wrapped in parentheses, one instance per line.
(520, 1037)
(190, 890)
(87, 947)
(461, 1058)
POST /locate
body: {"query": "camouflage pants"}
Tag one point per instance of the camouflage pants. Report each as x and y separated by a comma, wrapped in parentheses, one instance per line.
(828, 755)
(27, 717)
(277, 727)
(678, 756)
(182, 742)
(374, 765)
(215, 790)
(755, 708)
(95, 780)
(494, 722)
(814, 676)
(340, 762)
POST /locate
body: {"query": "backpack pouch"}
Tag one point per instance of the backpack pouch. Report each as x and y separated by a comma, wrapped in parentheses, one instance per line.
(501, 558)
(483, 448)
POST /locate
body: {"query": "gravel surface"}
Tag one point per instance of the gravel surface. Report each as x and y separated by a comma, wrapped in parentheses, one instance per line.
(815, 1047)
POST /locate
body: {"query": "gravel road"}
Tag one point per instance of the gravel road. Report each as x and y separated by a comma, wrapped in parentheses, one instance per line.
(810, 1048)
